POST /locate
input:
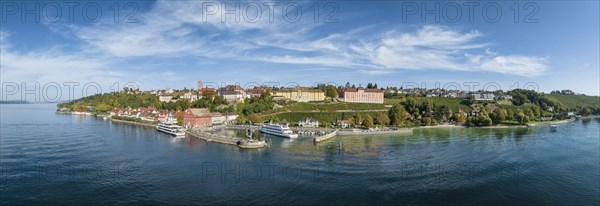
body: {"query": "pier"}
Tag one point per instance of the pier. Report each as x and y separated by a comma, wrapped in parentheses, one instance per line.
(224, 139)
(325, 137)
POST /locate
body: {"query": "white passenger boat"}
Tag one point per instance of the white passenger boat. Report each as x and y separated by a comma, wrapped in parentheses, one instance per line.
(281, 129)
(170, 127)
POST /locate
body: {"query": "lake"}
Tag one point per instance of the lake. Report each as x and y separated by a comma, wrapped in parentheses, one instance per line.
(47, 158)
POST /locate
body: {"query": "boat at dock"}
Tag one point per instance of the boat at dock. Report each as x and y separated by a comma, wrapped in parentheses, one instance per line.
(170, 127)
(281, 129)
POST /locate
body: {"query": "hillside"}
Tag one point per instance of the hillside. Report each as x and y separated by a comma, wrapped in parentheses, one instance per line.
(572, 102)
(112, 100)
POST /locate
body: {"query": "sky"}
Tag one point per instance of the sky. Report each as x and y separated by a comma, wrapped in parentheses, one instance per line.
(76, 49)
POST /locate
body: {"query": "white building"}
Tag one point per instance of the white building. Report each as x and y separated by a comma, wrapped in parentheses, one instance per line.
(308, 122)
(484, 96)
(343, 123)
(191, 96)
(165, 98)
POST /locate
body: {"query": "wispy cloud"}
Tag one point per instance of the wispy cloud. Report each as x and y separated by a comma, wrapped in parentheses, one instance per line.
(177, 29)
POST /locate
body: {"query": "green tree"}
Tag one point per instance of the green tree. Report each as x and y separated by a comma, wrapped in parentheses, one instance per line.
(357, 119)
(510, 114)
(397, 115)
(254, 118)
(498, 116)
(381, 119)
(522, 118)
(585, 111)
(331, 91)
(461, 118)
(530, 114)
(368, 121)
(102, 107)
(241, 119)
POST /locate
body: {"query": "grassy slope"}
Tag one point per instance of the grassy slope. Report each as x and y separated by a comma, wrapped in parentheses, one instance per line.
(575, 101)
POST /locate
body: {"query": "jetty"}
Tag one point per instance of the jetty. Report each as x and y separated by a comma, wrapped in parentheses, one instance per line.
(251, 144)
(224, 139)
(325, 137)
(210, 137)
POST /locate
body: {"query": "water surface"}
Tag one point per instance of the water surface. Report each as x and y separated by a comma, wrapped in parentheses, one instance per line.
(47, 158)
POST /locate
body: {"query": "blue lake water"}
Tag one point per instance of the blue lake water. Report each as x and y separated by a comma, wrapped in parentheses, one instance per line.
(47, 158)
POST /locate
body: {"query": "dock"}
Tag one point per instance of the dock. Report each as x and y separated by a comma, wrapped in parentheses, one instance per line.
(251, 144)
(211, 137)
(325, 137)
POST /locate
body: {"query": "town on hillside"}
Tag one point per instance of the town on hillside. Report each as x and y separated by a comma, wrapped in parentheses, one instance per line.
(323, 105)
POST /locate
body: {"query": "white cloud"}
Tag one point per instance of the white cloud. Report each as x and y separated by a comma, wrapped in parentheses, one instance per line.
(175, 29)
(517, 65)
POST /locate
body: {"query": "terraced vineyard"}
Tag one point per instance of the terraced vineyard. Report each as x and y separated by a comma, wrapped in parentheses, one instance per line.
(575, 101)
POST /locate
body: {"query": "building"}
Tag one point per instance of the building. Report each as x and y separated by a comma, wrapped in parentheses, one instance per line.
(343, 123)
(308, 122)
(165, 98)
(300, 94)
(217, 118)
(202, 89)
(223, 118)
(257, 91)
(362, 95)
(190, 96)
(233, 96)
(197, 118)
(232, 93)
(484, 96)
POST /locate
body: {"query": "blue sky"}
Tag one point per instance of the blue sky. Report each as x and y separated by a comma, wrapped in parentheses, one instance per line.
(172, 44)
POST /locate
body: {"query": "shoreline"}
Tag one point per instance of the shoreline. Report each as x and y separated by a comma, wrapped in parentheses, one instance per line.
(373, 132)
(134, 123)
(562, 121)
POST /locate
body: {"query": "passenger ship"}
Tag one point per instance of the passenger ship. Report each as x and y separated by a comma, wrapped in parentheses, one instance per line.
(170, 128)
(278, 129)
